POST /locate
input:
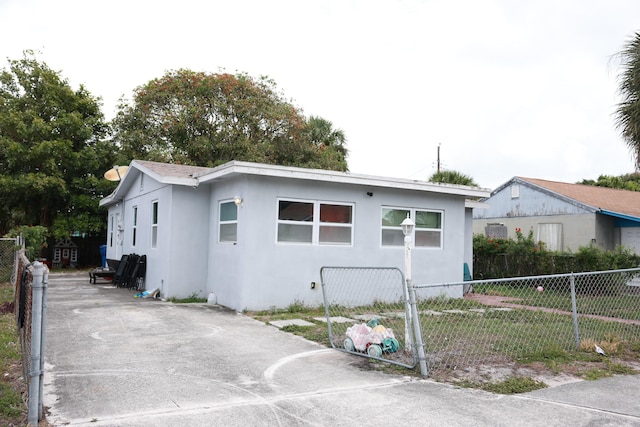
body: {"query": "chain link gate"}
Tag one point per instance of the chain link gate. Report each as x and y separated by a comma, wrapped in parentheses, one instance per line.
(368, 313)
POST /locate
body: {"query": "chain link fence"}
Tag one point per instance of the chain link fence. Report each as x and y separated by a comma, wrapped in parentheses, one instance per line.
(8, 251)
(506, 320)
(30, 302)
(488, 322)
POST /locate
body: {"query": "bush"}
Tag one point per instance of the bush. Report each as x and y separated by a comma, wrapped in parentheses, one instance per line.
(35, 239)
(522, 256)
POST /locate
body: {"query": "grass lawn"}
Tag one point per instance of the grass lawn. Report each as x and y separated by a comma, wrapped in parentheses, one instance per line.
(13, 408)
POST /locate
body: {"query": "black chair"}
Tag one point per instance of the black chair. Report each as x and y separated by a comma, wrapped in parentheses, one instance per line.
(138, 271)
(118, 278)
(132, 261)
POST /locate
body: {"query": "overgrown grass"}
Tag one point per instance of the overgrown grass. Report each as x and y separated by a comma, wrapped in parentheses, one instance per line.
(12, 407)
(193, 298)
(511, 385)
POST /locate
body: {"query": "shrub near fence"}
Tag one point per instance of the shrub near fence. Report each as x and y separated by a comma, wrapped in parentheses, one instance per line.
(499, 258)
(8, 248)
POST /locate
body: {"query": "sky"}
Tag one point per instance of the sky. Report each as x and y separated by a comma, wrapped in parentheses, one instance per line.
(500, 88)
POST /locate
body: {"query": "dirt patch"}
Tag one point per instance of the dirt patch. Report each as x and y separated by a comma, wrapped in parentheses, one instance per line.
(561, 374)
(7, 307)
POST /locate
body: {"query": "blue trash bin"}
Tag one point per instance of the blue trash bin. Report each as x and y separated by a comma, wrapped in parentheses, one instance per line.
(103, 254)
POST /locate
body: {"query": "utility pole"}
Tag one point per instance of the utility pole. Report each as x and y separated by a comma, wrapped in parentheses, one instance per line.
(438, 166)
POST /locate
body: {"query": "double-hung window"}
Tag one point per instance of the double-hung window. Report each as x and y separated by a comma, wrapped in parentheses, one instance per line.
(228, 222)
(427, 232)
(315, 222)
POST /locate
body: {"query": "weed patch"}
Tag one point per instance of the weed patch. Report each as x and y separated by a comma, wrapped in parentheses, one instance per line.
(511, 385)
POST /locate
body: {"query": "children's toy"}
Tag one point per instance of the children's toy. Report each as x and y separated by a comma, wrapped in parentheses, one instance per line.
(372, 338)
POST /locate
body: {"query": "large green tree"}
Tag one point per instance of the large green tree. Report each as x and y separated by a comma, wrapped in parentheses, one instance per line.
(53, 151)
(208, 119)
(628, 110)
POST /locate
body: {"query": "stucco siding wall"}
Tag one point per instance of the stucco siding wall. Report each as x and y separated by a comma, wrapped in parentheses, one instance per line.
(607, 235)
(258, 272)
(577, 230)
(530, 202)
(143, 195)
(186, 265)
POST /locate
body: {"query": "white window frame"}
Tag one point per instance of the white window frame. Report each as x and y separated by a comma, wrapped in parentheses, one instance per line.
(134, 227)
(222, 223)
(315, 224)
(551, 235)
(112, 222)
(154, 223)
(412, 215)
(515, 191)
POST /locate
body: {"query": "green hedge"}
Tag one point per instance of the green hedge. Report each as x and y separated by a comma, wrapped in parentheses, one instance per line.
(522, 256)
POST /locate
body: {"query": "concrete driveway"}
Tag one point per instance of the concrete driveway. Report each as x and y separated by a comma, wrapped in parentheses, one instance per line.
(114, 360)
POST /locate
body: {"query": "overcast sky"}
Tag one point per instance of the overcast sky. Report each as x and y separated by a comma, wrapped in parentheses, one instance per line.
(506, 88)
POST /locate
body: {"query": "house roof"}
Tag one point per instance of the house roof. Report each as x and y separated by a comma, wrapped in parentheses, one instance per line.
(607, 200)
(168, 171)
(248, 168)
(195, 176)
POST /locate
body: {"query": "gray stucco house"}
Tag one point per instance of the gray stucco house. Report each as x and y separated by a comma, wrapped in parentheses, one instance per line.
(564, 216)
(257, 235)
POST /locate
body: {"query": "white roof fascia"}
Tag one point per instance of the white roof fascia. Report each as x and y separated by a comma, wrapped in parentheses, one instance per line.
(475, 204)
(246, 168)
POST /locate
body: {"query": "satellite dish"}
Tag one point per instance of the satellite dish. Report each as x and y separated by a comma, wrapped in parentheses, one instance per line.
(116, 173)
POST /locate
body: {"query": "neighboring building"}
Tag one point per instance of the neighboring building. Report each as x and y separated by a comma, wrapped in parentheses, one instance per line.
(563, 216)
(257, 235)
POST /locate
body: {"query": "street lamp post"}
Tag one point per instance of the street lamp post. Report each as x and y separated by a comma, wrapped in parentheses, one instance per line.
(407, 229)
(410, 293)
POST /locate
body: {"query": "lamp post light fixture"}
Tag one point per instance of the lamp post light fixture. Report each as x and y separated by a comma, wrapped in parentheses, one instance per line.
(410, 293)
(407, 229)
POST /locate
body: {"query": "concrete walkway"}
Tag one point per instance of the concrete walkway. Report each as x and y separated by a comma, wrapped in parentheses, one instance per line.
(115, 360)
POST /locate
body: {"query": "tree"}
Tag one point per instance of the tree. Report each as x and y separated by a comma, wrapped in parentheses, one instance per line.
(630, 181)
(452, 177)
(628, 110)
(52, 151)
(207, 119)
(330, 141)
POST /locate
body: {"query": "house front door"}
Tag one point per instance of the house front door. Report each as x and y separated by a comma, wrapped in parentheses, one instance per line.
(119, 234)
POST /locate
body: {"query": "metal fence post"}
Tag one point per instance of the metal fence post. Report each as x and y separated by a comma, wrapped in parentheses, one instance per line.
(35, 374)
(417, 330)
(574, 310)
(43, 334)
